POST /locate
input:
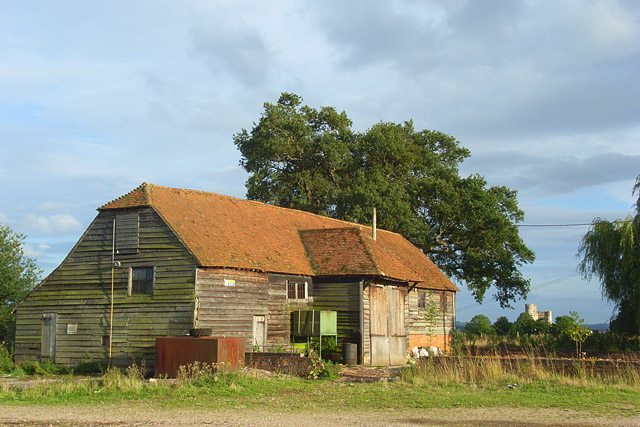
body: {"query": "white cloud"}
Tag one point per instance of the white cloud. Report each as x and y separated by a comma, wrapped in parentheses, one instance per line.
(53, 224)
(3, 219)
(36, 251)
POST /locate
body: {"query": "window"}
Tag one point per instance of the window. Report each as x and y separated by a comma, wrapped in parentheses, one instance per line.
(296, 290)
(141, 280)
(422, 298)
(443, 301)
(105, 340)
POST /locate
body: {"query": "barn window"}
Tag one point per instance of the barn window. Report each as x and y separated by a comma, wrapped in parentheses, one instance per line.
(443, 301)
(422, 298)
(126, 233)
(296, 290)
(141, 280)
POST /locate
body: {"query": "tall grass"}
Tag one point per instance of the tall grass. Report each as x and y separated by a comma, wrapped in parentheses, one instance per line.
(497, 371)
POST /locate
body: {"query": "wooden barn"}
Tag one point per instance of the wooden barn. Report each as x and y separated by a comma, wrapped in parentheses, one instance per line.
(159, 261)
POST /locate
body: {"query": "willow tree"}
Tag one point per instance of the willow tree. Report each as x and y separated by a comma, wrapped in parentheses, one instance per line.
(310, 159)
(610, 251)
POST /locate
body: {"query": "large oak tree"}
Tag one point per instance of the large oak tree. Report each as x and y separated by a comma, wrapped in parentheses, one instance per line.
(309, 159)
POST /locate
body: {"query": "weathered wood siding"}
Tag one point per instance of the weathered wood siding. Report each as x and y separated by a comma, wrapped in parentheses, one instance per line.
(78, 291)
(345, 299)
(366, 324)
(230, 310)
(443, 323)
(280, 307)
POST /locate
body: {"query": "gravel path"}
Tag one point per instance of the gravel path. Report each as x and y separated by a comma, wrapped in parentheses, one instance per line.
(112, 415)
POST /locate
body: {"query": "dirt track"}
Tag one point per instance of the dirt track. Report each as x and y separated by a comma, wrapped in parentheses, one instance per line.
(112, 415)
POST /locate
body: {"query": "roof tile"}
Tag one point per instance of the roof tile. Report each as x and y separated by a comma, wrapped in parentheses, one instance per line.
(223, 231)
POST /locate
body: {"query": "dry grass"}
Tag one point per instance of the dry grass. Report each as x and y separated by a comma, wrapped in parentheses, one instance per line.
(497, 371)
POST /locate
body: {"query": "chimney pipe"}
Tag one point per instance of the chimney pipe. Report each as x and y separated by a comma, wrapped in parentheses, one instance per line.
(373, 227)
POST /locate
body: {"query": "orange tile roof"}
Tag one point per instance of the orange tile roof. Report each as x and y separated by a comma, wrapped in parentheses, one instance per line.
(223, 231)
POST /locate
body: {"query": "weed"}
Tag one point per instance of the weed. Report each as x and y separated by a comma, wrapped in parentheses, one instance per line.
(115, 379)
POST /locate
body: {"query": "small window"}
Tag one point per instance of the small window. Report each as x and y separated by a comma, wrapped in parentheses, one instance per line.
(443, 301)
(422, 299)
(141, 280)
(296, 290)
(105, 340)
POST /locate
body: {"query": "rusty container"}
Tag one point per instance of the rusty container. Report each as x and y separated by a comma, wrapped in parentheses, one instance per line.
(172, 352)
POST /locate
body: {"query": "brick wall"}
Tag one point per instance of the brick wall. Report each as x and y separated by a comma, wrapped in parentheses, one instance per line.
(290, 364)
(441, 341)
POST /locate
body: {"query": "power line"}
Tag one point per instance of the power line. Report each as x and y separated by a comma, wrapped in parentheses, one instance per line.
(554, 225)
(540, 286)
(579, 224)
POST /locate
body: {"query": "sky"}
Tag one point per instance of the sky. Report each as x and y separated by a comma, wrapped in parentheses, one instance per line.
(97, 97)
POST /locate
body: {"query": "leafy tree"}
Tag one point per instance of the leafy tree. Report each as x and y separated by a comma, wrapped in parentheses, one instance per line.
(562, 327)
(524, 325)
(541, 327)
(18, 274)
(303, 158)
(480, 325)
(502, 326)
(610, 251)
(578, 332)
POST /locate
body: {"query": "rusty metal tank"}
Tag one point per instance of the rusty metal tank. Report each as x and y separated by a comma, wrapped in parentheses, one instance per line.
(172, 352)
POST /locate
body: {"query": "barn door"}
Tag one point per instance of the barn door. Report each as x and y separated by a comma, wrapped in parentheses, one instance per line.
(48, 343)
(388, 337)
(259, 332)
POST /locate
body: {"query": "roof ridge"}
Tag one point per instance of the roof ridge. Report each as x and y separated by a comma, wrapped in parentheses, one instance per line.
(147, 190)
(144, 188)
(368, 248)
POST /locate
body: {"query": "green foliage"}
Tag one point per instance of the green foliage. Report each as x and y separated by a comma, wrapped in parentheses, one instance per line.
(524, 325)
(42, 368)
(502, 326)
(478, 326)
(610, 251)
(578, 332)
(458, 343)
(322, 367)
(6, 360)
(431, 313)
(18, 274)
(303, 158)
(563, 326)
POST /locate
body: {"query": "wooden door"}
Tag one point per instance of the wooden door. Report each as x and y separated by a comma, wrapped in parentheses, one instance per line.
(259, 332)
(388, 336)
(48, 343)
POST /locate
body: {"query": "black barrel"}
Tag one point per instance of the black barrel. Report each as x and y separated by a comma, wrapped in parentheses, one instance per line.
(350, 353)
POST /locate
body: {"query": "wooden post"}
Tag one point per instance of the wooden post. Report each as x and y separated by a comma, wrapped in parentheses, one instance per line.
(373, 227)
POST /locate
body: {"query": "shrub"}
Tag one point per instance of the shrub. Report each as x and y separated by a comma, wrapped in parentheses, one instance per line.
(6, 359)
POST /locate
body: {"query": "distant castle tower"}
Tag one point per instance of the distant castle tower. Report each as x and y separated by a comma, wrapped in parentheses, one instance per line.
(532, 310)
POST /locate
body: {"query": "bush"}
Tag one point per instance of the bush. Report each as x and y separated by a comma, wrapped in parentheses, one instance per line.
(478, 326)
(42, 368)
(6, 360)
(502, 326)
(458, 343)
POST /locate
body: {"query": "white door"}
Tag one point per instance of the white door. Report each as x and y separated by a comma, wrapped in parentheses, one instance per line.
(259, 333)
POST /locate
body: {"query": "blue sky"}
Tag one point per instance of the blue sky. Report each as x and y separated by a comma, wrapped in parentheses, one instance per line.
(97, 97)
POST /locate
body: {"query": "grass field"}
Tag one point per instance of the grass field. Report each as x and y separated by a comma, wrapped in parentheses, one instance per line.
(459, 384)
